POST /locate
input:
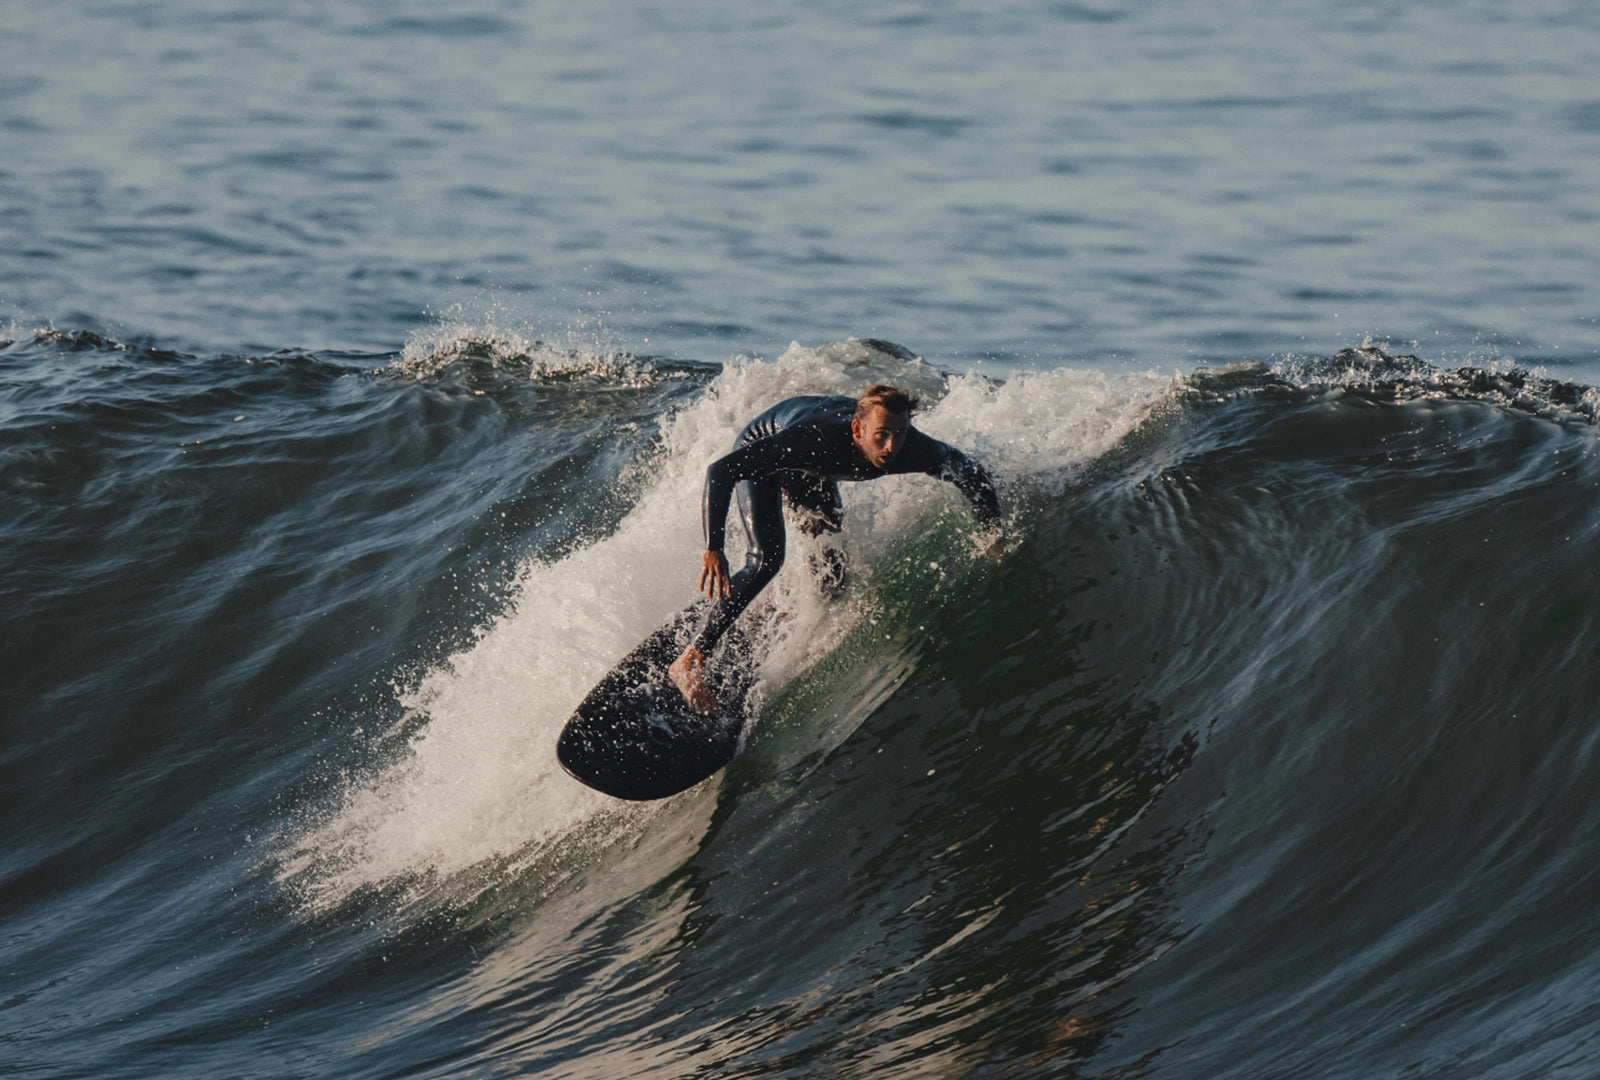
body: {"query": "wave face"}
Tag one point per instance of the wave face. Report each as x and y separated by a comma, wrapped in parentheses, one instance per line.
(1266, 750)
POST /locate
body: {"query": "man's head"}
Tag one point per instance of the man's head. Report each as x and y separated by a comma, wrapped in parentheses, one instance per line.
(883, 416)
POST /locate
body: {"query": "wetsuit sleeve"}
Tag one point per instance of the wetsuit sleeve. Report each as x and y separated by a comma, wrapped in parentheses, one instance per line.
(782, 450)
(973, 481)
(940, 459)
(714, 502)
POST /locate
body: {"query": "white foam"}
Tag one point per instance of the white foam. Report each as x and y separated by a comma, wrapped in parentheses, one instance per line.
(488, 331)
(480, 781)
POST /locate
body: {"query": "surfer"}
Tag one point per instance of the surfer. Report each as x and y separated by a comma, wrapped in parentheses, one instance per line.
(797, 451)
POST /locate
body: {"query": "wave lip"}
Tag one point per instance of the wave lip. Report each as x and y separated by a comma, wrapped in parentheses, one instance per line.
(1371, 372)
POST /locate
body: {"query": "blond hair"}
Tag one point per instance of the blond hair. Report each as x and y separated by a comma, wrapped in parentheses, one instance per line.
(891, 399)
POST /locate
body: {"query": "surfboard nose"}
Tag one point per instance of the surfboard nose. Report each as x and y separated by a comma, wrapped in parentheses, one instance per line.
(642, 753)
(635, 737)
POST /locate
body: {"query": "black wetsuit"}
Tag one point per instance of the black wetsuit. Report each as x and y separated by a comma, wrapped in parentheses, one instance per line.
(800, 449)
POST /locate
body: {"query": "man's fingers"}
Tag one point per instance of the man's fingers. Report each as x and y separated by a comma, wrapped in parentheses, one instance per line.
(993, 546)
(714, 580)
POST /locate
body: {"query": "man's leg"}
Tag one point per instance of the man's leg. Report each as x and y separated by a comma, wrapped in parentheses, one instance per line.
(820, 510)
(761, 512)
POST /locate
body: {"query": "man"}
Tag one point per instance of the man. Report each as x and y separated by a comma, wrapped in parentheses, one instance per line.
(798, 450)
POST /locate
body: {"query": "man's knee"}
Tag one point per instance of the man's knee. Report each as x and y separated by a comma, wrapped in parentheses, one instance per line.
(816, 506)
(763, 564)
(828, 571)
(817, 520)
(815, 525)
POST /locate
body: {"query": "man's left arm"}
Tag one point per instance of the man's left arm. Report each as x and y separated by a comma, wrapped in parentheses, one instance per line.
(973, 481)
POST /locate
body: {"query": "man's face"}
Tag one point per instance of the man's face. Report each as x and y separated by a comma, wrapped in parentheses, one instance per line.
(881, 434)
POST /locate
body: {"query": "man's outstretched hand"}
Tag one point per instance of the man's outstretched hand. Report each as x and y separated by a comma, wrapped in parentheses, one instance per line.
(714, 580)
(993, 545)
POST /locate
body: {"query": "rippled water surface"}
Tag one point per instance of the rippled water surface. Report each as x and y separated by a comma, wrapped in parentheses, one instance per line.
(1028, 183)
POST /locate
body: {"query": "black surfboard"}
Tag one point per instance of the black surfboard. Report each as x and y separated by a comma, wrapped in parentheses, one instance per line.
(635, 737)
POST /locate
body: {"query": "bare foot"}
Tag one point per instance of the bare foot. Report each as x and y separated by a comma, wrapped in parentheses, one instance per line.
(688, 674)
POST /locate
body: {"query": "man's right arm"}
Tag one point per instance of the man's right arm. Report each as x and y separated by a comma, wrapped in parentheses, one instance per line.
(720, 478)
(773, 453)
(748, 461)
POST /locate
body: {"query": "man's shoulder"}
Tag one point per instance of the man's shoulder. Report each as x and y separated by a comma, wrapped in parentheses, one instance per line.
(805, 410)
(819, 404)
(922, 453)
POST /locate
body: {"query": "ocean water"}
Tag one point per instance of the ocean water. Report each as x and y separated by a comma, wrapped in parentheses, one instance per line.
(359, 369)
